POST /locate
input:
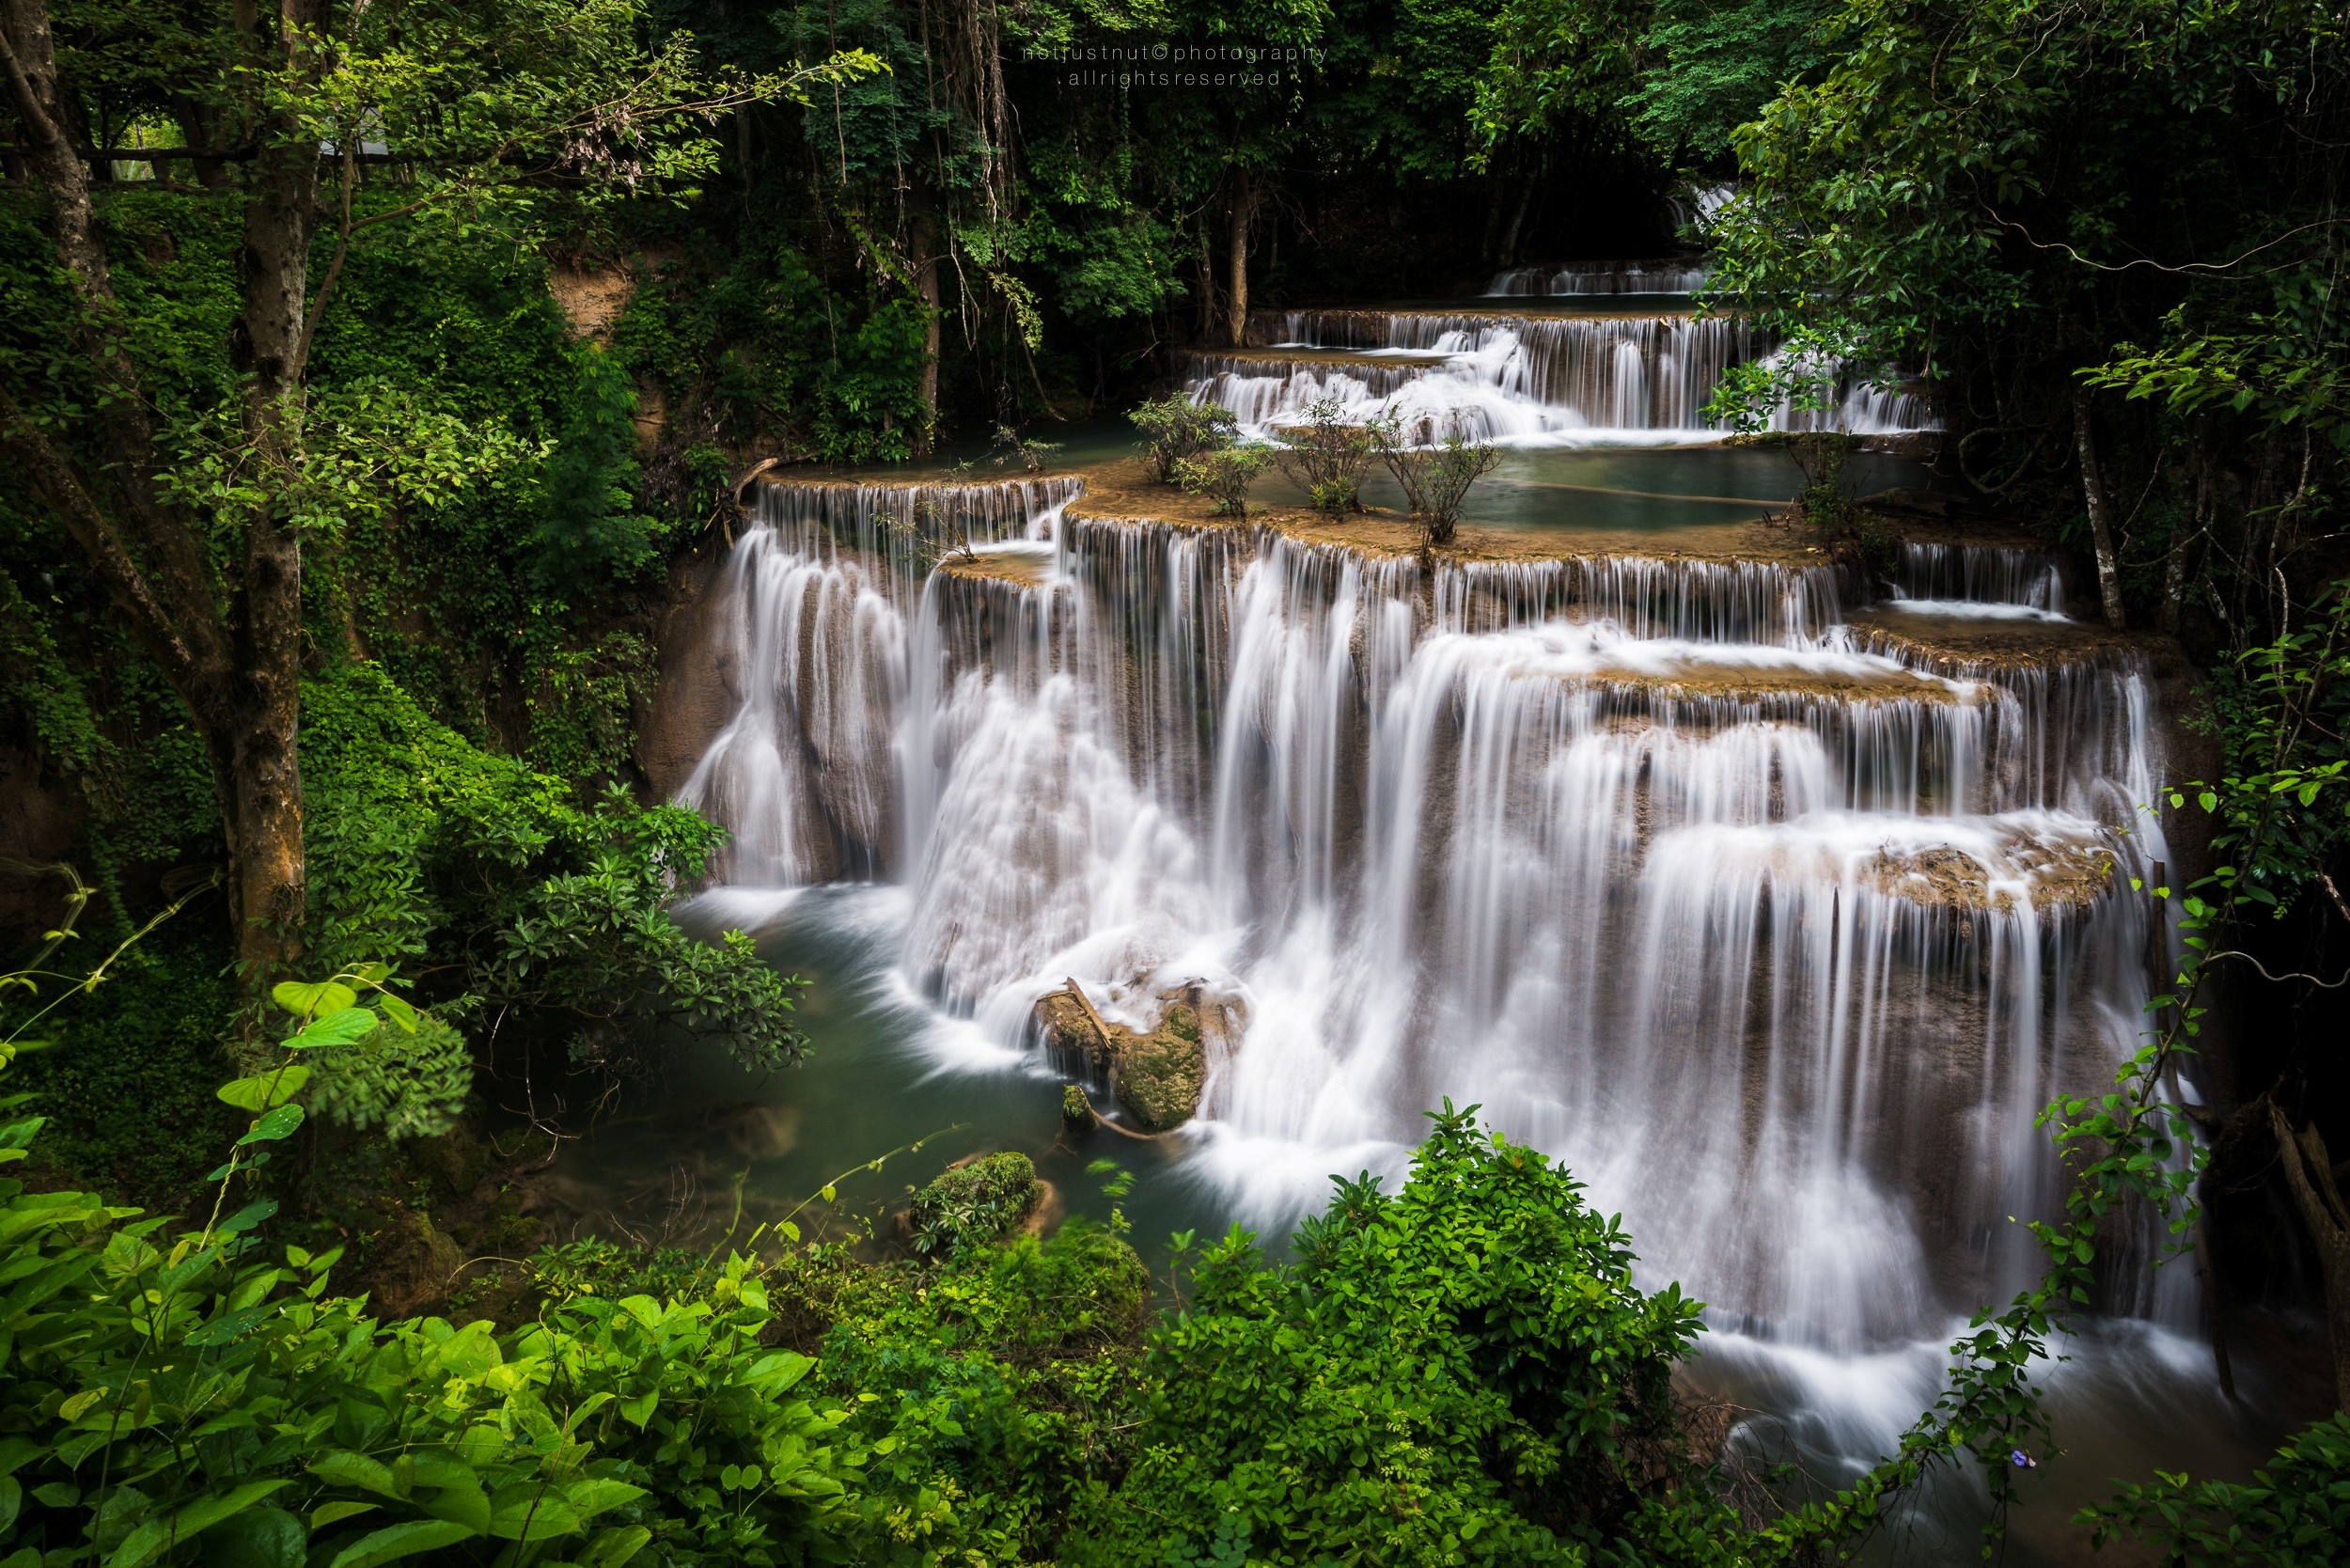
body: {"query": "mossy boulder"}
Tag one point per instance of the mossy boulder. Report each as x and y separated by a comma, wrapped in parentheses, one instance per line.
(975, 1204)
(1157, 1077)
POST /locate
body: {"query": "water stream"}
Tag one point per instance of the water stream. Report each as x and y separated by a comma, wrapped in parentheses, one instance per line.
(1741, 885)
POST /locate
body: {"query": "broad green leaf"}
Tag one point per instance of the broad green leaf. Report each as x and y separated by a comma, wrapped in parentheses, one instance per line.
(279, 1124)
(336, 1512)
(257, 1537)
(346, 1027)
(597, 1496)
(612, 1548)
(532, 1511)
(231, 1326)
(265, 1092)
(247, 1218)
(150, 1538)
(356, 1469)
(312, 1001)
(406, 1538)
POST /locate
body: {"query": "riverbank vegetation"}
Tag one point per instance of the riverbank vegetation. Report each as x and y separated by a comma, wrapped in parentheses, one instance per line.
(370, 375)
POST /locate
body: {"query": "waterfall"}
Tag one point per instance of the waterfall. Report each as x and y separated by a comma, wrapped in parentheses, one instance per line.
(1602, 277)
(818, 593)
(1990, 576)
(1519, 379)
(1771, 915)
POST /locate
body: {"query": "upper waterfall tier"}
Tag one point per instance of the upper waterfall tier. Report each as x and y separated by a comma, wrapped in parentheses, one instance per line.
(1513, 376)
(1670, 277)
(1775, 917)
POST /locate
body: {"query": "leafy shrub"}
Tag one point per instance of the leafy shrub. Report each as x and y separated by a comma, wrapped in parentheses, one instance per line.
(1435, 473)
(183, 1398)
(2295, 1513)
(1003, 1376)
(407, 1084)
(594, 1266)
(973, 1203)
(1224, 473)
(1464, 1371)
(592, 534)
(1179, 429)
(1326, 456)
(424, 847)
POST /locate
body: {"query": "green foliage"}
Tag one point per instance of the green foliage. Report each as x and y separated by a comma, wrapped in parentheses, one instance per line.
(188, 1397)
(408, 1084)
(423, 847)
(2282, 717)
(1178, 430)
(1435, 473)
(759, 346)
(2293, 1513)
(593, 1266)
(1224, 473)
(1560, 65)
(1709, 67)
(1536, 1415)
(973, 1203)
(583, 723)
(591, 535)
(1326, 456)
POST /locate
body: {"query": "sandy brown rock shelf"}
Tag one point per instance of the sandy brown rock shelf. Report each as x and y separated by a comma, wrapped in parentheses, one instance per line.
(1742, 684)
(1961, 643)
(1023, 567)
(2063, 874)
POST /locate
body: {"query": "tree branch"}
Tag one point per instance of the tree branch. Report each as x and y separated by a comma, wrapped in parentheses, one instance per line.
(192, 669)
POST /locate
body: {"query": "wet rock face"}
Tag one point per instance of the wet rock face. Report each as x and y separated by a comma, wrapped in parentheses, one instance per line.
(1157, 1077)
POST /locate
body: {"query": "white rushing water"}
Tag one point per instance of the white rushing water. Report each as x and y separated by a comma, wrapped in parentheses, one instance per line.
(1670, 276)
(1519, 380)
(1777, 934)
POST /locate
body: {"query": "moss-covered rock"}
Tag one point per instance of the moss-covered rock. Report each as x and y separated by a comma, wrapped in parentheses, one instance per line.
(1076, 1112)
(1157, 1075)
(975, 1204)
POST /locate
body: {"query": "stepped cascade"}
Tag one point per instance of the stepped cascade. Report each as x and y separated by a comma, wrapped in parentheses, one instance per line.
(1519, 376)
(1669, 276)
(1773, 896)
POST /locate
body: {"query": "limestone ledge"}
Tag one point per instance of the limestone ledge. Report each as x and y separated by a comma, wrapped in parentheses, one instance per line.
(2062, 875)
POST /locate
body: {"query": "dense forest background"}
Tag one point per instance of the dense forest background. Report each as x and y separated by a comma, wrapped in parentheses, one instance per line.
(370, 373)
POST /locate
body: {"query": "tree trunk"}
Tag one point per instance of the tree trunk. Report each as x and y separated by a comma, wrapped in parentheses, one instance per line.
(2100, 512)
(2309, 1172)
(270, 344)
(1243, 210)
(922, 235)
(1211, 305)
(236, 665)
(2179, 556)
(1517, 221)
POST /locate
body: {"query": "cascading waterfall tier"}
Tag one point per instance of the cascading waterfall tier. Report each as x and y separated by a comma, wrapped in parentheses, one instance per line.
(1670, 276)
(1521, 378)
(818, 595)
(1775, 914)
